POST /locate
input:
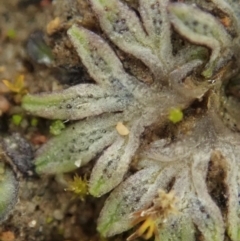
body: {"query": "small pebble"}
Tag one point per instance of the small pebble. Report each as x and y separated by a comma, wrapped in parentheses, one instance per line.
(38, 139)
(4, 104)
(58, 215)
(32, 224)
(31, 207)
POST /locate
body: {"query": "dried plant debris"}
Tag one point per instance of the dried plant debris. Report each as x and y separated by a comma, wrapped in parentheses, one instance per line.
(20, 153)
(121, 120)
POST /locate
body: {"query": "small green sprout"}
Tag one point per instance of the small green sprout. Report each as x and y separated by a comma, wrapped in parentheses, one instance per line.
(34, 122)
(17, 119)
(11, 34)
(56, 127)
(79, 186)
(175, 115)
(49, 220)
